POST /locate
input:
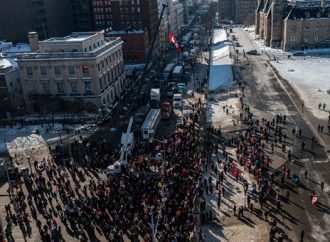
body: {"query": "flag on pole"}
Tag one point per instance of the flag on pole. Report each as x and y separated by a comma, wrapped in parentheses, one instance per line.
(174, 41)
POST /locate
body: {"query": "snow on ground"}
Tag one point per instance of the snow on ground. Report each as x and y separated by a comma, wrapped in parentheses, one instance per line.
(217, 116)
(48, 132)
(221, 73)
(226, 226)
(310, 78)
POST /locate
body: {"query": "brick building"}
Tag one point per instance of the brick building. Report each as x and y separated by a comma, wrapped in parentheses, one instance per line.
(127, 15)
(135, 45)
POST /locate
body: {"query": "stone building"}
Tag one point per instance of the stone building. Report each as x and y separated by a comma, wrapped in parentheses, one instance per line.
(236, 10)
(83, 66)
(293, 25)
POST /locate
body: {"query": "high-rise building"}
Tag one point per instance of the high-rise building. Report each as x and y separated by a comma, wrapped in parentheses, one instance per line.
(128, 15)
(82, 15)
(47, 17)
(82, 66)
(125, 15)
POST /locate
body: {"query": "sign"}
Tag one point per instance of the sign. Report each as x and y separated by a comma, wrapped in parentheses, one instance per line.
(314, 199)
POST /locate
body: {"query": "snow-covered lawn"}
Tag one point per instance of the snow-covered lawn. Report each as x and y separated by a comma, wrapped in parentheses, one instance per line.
(217, 116)
(48, 132)
(310, 77)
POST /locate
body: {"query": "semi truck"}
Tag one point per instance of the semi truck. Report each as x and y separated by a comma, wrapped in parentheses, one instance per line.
(168, 71)
(177, 73)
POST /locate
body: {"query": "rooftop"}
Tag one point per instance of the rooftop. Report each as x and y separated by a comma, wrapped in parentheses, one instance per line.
(7, 64)
(74, 37)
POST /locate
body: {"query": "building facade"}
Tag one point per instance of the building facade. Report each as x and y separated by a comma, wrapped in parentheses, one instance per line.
(83, 66)
(135, 45)
(10, 86)
(237, 10)
(293, 25)
(47, 17)
(127, 15)
(82, 15)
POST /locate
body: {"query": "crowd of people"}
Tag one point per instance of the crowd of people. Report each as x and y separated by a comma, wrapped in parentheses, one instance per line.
(75, 194)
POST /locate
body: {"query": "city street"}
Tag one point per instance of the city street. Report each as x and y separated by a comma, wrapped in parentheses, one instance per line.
(268, 96)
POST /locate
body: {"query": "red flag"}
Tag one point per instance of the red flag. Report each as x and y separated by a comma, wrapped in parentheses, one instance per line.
(174, 41)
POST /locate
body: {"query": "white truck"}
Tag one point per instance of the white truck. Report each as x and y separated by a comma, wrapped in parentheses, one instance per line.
(155, 97)
(177, 100)
(127, 145)
(150, 124)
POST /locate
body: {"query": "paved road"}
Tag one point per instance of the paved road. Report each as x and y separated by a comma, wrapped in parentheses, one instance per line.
(269, 96)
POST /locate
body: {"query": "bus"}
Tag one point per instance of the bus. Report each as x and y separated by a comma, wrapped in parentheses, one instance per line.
(150, 124)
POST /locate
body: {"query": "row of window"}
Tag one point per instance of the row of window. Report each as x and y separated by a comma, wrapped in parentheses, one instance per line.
(43, 70)
(306, 39)
(60, 88)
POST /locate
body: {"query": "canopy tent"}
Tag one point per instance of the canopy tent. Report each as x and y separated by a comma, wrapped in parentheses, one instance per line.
(221, 73)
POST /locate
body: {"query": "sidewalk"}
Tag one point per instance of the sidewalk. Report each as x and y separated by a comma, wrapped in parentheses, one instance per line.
(226, 226)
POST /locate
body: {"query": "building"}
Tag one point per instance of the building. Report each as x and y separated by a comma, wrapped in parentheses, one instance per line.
(82, 15)
(135, 45)
(226, 9)
(10, 86)
(83, 66)
(237, 10)
(47, 17)
(163, 32)
(127, 15)
(294, 25)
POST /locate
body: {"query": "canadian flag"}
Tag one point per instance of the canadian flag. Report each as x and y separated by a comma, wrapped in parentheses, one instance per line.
(174, 41)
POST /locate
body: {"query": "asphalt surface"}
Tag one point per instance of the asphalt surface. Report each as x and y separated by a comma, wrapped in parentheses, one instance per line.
(268, 96)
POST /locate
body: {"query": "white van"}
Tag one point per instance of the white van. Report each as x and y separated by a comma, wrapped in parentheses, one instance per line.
(177, 100)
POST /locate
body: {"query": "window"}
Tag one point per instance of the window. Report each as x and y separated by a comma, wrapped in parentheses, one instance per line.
(43, 70)
(85, 70)
(60, 87)
(57, 70)
(88, 87)
(29, 71)
(293, 38)
(74, 87)
(100, 80)
(71, 70)
(306, 39)
(45, 87)
(316, 38)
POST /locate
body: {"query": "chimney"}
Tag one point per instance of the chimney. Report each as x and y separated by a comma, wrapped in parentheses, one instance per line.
(33, 40)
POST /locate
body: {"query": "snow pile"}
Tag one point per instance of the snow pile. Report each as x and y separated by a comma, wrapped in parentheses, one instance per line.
(29, 146)
(217, 116)
(310, 78)
(221, 74)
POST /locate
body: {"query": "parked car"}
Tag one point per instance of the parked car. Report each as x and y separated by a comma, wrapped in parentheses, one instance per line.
(252, 52)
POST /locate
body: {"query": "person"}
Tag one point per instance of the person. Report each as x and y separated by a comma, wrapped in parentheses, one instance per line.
(322, 186)
(302, 235)
(306, 173)
(234, 209)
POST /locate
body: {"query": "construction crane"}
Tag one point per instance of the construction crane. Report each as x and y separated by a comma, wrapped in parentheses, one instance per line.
(150, 51)
(121, 165)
